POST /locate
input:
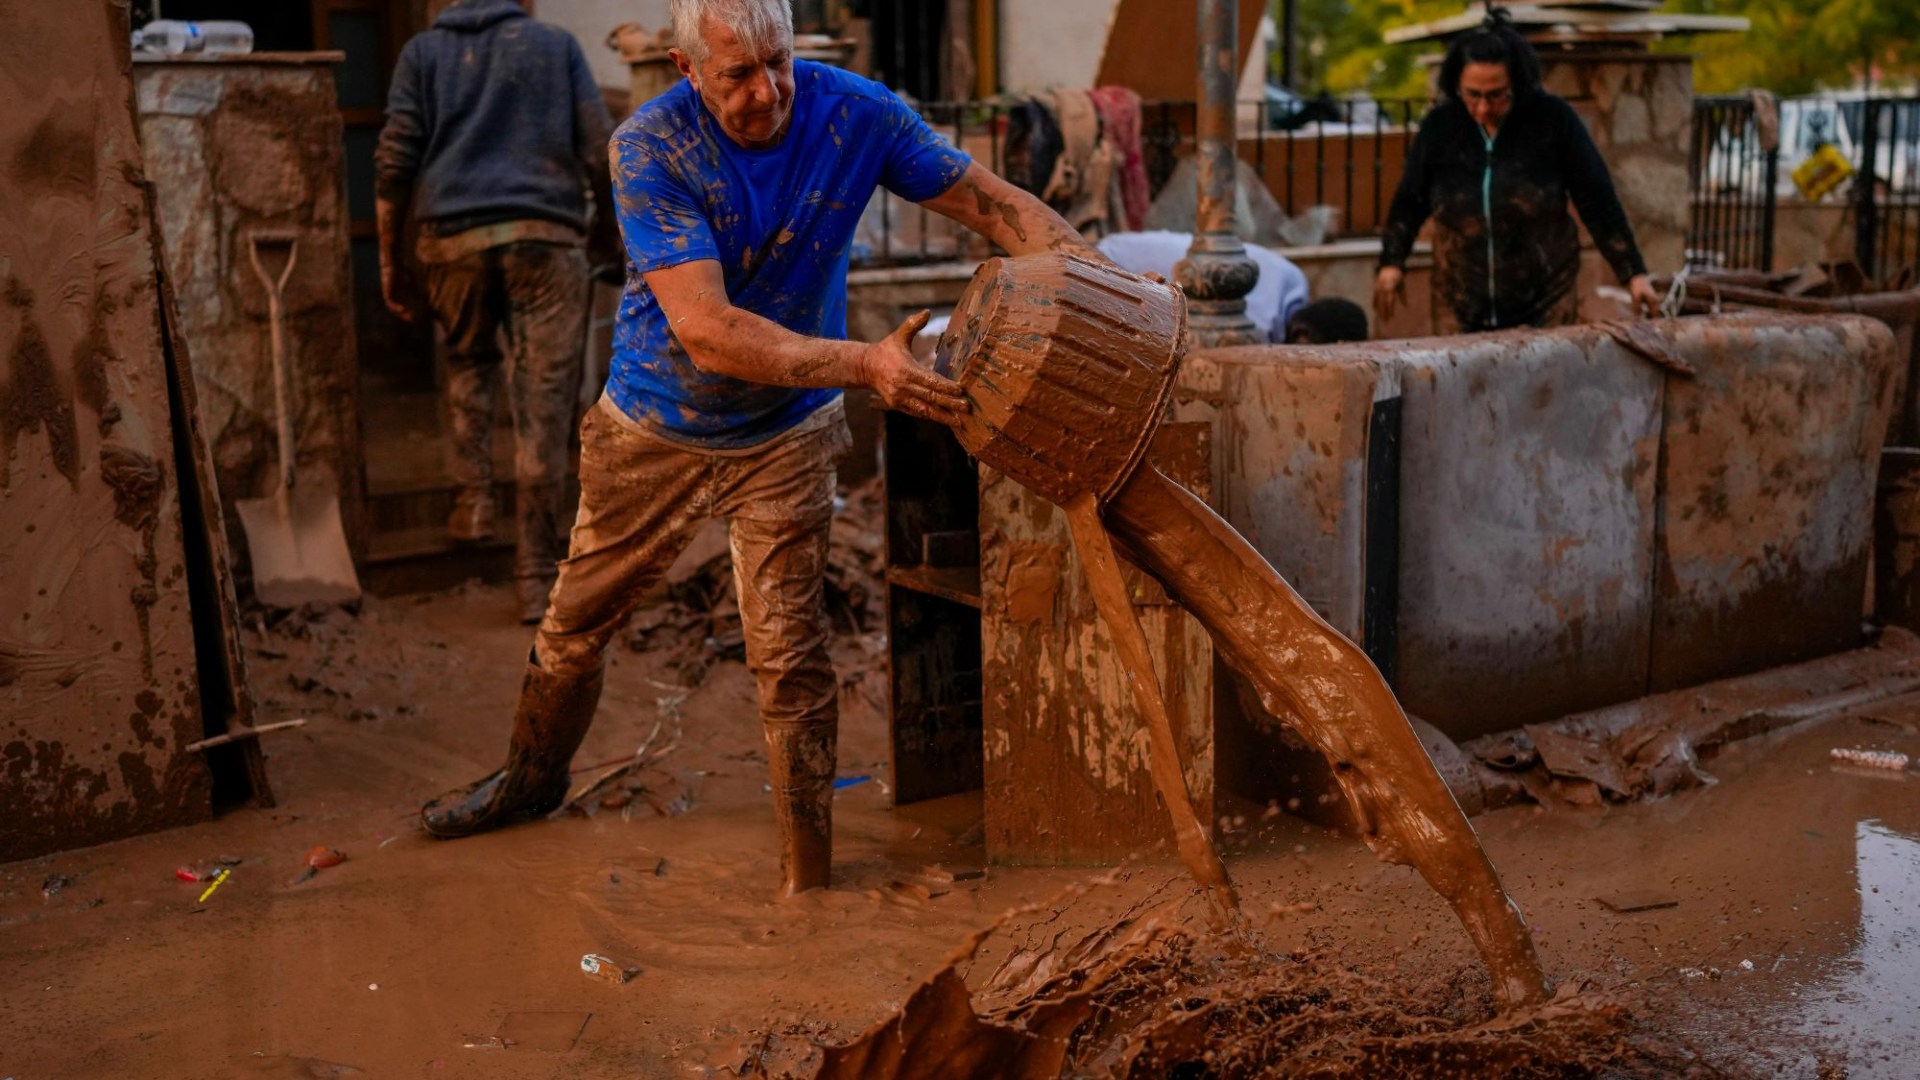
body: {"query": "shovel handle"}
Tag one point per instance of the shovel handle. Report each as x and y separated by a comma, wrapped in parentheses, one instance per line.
(276, 336)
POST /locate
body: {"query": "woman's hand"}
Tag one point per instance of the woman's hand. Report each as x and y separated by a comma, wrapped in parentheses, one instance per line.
(1645, 300)
(1389, 291)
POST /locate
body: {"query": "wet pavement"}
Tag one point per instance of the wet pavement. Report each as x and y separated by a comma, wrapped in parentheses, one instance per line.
(1766, 925)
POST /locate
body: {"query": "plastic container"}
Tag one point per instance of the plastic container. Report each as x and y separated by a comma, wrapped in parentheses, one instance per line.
(174, 37)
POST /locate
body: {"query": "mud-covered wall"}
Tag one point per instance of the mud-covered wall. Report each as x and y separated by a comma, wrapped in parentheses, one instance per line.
(98, 687)
(235, 145)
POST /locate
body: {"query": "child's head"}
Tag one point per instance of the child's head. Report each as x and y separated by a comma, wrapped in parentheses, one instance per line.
(1326, 321)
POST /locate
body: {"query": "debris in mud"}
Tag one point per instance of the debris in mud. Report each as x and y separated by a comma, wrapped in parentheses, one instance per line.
(607, 969)
(1654, 746)
(219, 878)
(1891, 760)
(1145, 997)
(699, 624)
(51, 887)
(1635, 900)
(619, 782)
(320, 857)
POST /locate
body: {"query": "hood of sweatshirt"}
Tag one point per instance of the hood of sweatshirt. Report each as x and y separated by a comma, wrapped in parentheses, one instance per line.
(471, 16)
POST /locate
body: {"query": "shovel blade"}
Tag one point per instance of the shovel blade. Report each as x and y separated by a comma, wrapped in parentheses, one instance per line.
(299, 549)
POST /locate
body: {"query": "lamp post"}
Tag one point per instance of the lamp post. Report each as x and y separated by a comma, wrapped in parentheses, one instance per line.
(1217, 274)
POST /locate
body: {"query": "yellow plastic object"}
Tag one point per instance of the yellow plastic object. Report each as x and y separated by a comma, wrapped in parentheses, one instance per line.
(1821, 172)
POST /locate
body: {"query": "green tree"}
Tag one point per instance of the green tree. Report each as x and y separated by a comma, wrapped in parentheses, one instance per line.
(1795, 46)
(1799, 46)
(1340, 47)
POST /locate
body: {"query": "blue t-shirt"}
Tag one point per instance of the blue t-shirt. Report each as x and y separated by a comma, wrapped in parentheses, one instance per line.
(778, 221)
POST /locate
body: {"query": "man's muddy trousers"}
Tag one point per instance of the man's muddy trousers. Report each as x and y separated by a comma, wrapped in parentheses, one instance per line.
(641, 501)
(515, 314)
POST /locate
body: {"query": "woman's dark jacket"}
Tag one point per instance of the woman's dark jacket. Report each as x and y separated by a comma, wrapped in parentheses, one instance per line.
(1541, 157)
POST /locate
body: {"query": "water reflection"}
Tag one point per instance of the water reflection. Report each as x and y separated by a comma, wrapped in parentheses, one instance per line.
(1867, 1012)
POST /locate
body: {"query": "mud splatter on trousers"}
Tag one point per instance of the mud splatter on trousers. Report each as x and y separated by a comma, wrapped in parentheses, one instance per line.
(641, 501)
(515, 314)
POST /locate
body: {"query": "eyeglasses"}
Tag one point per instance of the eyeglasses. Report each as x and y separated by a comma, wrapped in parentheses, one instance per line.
(1491, 97)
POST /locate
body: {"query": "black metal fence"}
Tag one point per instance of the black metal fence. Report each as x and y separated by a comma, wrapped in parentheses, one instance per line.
(1886, 187)
(1733, 178)
(1314, 152)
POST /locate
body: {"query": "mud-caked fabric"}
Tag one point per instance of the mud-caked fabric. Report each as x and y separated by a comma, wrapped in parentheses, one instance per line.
(1506, 249)
(779, 221)
(515, 315)
(641, 500)
(492, 116)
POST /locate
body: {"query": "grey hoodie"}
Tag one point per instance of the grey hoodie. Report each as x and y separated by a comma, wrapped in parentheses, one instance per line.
(492, 116)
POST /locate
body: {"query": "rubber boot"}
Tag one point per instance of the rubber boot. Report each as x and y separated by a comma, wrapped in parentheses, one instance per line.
(800, 760)
(539, 545)
(473, 517)
(553, 716)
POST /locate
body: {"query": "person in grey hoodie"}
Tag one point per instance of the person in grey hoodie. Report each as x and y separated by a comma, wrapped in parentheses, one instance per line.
(494, 156)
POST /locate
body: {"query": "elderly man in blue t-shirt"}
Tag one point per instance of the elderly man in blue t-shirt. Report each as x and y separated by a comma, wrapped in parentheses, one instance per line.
(737, 193)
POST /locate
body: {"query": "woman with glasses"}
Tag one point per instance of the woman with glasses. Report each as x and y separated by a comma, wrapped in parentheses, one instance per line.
(1494, 165)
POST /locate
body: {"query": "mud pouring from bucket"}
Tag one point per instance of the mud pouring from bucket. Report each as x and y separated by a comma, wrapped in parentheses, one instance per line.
(1067, 365)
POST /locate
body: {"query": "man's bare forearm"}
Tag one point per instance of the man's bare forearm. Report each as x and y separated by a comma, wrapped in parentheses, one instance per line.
(1014, 220)
(735, 342)
(726, 340)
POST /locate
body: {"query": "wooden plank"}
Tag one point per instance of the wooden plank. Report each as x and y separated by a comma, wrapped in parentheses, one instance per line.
(226, 697)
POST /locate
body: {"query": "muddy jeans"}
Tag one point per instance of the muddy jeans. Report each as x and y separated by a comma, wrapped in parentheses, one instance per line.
(641, 500)
(521, 307)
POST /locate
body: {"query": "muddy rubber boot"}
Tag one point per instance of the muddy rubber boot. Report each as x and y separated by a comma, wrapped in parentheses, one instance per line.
(473, 520)
(538, 547)
(800, 760)
(553, 716)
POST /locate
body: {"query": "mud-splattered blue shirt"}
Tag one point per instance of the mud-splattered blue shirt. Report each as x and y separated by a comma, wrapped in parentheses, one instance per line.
(779, 222)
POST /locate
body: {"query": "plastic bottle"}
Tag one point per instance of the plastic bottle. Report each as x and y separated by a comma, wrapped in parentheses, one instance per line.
(172, 37)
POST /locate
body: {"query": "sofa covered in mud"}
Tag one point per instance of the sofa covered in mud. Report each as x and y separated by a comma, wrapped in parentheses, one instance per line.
(1526, 524)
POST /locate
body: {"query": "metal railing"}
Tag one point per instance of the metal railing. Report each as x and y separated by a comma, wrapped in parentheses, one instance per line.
(1886, 188)
(1733, 178)
(1347, 155)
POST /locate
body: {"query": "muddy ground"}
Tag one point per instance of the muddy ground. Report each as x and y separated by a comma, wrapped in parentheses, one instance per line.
(1778, 930)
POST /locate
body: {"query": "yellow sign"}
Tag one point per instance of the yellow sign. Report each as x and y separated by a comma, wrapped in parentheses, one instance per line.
(1821, 172)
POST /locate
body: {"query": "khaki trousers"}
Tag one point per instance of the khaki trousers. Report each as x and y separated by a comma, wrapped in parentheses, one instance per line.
(641, 500)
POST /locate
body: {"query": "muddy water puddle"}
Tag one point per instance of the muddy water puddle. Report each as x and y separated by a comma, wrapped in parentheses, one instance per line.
(1868, 1005)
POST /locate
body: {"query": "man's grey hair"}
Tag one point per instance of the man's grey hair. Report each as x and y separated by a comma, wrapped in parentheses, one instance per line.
(759, 24)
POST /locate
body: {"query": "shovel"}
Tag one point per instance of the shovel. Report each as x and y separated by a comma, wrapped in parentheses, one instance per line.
(294, 536)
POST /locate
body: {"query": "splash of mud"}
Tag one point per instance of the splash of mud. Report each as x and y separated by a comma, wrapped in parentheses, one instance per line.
(1145, 996)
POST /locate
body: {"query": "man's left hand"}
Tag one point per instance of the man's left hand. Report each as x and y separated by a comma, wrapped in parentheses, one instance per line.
(1645, 300)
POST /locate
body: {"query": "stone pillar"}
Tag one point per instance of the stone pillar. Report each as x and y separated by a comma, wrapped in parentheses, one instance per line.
(1217, 274)
(1639, 108)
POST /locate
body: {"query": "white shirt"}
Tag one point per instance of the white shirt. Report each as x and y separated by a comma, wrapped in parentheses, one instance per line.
(1280, 290)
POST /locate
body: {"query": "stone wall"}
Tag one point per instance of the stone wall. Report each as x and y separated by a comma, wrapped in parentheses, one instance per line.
(1639, 108)
(235, 145)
